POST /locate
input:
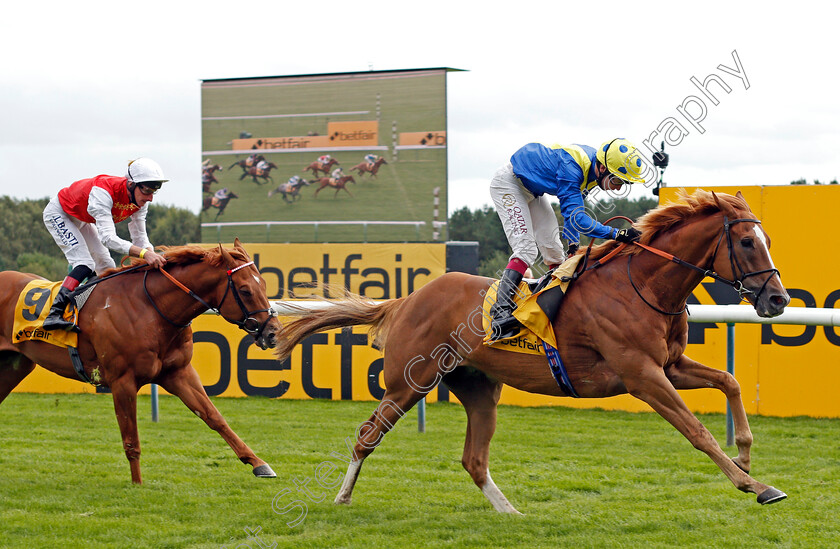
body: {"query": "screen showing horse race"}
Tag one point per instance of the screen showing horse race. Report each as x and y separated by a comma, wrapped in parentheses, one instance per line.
(343, 157)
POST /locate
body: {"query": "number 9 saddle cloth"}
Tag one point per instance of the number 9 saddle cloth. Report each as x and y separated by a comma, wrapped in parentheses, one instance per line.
(33, 306)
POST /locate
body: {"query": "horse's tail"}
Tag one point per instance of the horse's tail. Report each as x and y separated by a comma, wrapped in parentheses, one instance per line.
(353, 310)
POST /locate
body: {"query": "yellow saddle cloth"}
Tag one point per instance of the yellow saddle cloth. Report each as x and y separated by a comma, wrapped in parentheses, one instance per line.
(33, 306)
(536, 325)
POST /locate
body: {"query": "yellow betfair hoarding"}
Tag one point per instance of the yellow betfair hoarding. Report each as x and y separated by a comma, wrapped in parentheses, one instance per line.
(377, 271)
(337, 364)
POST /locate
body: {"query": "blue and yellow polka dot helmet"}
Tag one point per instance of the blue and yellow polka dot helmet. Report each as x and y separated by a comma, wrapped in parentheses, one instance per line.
(622, 160)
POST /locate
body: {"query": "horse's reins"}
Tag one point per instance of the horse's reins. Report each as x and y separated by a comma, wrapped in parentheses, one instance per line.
(249, 324)
(737, 284)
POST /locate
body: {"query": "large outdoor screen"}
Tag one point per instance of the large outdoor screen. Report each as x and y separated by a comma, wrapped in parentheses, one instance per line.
(381, 140)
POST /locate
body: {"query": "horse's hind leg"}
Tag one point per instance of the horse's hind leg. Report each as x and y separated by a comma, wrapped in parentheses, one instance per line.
(13, 368)
(399, 398)
(186, 385)
(479, 395)
(689, 374)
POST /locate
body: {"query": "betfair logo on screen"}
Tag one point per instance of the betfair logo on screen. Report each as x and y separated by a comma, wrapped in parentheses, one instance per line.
(427, 139)
(363, 132)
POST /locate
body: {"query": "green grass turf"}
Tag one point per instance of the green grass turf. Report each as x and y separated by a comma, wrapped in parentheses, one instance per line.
(586, 478)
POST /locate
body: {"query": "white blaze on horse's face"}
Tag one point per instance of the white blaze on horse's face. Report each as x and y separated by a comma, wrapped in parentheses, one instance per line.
(256, 278)
(763, 240)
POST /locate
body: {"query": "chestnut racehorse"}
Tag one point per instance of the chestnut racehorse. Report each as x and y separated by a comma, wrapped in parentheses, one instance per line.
(338, 184)
(364, 167)
(135, 330)
(316, 166)
(621, 328)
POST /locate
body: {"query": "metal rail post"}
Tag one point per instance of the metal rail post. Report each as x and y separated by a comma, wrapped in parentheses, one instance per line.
(421, 415)
(155, 414)
(730, 367)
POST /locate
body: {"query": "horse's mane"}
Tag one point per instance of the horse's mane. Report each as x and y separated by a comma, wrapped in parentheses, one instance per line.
(185, 255)
(664, 217)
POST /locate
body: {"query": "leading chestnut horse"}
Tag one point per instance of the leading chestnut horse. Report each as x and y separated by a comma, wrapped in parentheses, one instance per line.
(621, 328)
(135, 330)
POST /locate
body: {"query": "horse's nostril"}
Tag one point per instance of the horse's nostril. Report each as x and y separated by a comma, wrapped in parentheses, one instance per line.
(779, 300)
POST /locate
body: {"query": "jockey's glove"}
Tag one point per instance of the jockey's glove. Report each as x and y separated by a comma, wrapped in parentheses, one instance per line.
(573, 248)
(628, 235)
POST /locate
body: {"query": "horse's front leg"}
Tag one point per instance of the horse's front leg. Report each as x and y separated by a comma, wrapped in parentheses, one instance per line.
(689, 374)
(649, 383)
(184, 383)
(124, 391)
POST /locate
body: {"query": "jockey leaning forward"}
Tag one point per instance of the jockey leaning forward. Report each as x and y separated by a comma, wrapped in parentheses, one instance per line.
(81, 220)
(519, 191)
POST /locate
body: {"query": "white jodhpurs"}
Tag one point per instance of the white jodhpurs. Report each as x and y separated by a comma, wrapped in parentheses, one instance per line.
(78, 240)
(529, 221)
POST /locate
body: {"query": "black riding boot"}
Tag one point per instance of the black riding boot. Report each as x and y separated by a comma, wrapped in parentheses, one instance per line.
(55, 320)
(503, 324)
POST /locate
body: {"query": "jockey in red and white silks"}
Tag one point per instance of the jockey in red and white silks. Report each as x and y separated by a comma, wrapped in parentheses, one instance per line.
(81, 220)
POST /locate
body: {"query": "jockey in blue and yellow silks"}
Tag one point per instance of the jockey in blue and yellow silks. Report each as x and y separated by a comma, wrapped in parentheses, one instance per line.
(519, 191)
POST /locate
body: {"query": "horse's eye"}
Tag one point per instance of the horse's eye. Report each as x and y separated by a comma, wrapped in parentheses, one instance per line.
(245, 291)
(747, 242)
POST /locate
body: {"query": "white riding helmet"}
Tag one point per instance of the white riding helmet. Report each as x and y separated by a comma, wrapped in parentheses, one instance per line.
(145, 170)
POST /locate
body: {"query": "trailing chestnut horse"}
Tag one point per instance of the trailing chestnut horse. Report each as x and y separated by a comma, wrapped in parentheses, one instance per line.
(316, 166)
(135, 330)
(337, 184)
(364, 167)
(622, 328)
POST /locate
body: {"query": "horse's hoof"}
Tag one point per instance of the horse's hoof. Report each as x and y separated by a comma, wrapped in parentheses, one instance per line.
(263, 471)
(735, 461)
(771, 495)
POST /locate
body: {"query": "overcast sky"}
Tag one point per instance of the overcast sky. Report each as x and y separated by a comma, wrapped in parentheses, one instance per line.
(85, 86)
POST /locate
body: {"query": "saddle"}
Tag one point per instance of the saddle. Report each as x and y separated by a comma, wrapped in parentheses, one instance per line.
(536, 306)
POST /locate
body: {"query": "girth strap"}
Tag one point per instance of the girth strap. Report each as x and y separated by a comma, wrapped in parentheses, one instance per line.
(79, 367)
(558, 370)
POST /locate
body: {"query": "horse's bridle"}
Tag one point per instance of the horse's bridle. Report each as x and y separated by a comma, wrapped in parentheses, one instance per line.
(248, 323)
(736, 284)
